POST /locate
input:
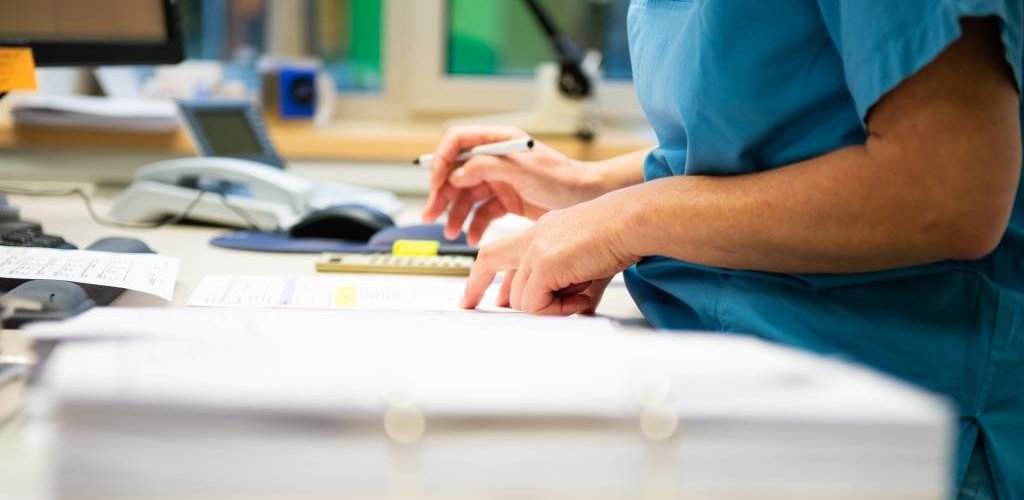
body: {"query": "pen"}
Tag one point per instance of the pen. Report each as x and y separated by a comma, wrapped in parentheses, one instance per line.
(495, 149)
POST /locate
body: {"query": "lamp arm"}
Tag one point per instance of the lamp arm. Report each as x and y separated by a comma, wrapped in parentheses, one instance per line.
(572, 81)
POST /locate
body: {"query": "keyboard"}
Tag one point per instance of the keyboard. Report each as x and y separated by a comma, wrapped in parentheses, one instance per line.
(29, 234)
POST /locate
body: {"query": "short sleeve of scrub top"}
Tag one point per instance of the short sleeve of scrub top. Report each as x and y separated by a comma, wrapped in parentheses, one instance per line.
(882, 42)
(741, 86)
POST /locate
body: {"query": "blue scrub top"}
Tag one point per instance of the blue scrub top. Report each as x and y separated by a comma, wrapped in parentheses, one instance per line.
(740, 86)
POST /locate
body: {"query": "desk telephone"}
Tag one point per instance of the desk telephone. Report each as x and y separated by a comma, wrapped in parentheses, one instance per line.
(238, 162)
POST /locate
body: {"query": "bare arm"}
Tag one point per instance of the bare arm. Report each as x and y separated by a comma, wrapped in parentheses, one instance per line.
(619, 172)
(935, 180)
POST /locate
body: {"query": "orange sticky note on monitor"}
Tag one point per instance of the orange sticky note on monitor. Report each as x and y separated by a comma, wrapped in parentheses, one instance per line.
(17, 69)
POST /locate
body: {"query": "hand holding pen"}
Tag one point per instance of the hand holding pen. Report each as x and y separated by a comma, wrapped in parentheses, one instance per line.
(494, 149)
(483, 173)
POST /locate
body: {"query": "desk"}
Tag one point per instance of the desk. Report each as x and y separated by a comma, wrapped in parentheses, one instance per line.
(21, 465)
(347, 140)
(66, 217)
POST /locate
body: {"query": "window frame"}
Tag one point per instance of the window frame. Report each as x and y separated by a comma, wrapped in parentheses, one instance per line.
(285, 23)
(416, 82)
(434, 91)
(390, 102)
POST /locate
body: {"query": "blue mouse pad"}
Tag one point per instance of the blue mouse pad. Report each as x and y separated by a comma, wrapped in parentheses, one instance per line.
(258, 241)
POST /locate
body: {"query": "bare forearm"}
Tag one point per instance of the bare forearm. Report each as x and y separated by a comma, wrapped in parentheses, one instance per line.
(619, 172)
(846, 211)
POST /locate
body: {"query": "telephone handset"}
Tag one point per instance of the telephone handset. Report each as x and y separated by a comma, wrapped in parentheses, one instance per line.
(239, 163)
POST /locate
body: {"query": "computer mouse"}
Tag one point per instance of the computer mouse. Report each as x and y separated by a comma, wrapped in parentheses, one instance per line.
(350, 222)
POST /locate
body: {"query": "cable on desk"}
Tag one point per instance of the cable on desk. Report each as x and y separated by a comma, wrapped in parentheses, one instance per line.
(243, 214)
(135, 225)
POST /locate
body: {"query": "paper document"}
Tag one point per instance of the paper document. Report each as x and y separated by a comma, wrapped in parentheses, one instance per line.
(462, 364)
(341, 291)
(284, 404)
(136, 115)
(147, 273)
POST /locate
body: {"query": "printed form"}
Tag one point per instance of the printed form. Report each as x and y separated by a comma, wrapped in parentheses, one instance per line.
(143, 272)
(336, 291)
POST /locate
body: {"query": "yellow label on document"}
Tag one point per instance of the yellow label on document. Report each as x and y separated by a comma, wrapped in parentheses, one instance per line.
(345, 296)
(415, 248)
(17, 69)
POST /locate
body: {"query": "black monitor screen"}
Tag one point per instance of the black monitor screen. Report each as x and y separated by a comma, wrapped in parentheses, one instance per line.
(228, 133)
(95, 20)
(93, 32)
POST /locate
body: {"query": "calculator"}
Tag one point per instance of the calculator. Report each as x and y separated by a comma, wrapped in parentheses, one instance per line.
(448, 265)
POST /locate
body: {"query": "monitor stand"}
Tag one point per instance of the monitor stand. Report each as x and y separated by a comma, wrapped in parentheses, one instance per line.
(8, 212)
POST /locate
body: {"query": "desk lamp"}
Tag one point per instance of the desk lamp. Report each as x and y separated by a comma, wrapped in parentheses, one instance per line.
(565, 89)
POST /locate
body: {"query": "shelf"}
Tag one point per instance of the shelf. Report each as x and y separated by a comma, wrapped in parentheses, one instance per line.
(363, 140)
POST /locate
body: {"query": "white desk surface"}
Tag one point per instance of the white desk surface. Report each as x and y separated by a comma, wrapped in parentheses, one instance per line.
(22, 471)
(66, 216)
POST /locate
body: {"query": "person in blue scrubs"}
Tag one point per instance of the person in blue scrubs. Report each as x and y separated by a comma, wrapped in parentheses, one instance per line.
(842, 176)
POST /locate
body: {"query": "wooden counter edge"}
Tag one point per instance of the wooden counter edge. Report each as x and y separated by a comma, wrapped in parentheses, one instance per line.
(370, 141)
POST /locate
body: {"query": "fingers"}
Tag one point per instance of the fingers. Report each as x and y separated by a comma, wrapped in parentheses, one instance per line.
(438, 202)
(460, 208)
(596, 291)
(480, 170)
(498, 256)
(515, 297)
(523, 288)
(485, 168)
(506, 286)
(458, 139)
(539, 297)
(537, 293)
(567, 306)
(480, 277)
(573, 289)
(455, 140)
(483, 216)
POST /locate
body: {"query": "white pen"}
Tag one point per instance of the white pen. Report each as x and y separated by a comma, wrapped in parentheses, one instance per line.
(494, 149)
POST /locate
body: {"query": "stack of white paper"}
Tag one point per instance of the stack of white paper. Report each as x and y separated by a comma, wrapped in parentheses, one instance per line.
(359, 404)
(142, 272)
(129, 114)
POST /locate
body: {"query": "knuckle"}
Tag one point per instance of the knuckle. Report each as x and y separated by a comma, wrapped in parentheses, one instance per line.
(543, 261)
(486, 255)
(545, 258)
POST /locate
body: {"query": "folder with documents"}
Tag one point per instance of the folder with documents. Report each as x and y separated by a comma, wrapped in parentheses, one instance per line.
(363, 404)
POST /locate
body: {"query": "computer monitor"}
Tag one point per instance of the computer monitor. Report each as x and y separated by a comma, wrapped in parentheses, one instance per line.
(93, 32)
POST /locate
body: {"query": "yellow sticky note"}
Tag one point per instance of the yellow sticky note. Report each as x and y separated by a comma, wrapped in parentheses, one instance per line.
(415, 248)
(345, 296)
(17, 69)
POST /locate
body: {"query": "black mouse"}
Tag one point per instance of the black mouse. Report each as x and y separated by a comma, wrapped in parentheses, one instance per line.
(350, 222)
